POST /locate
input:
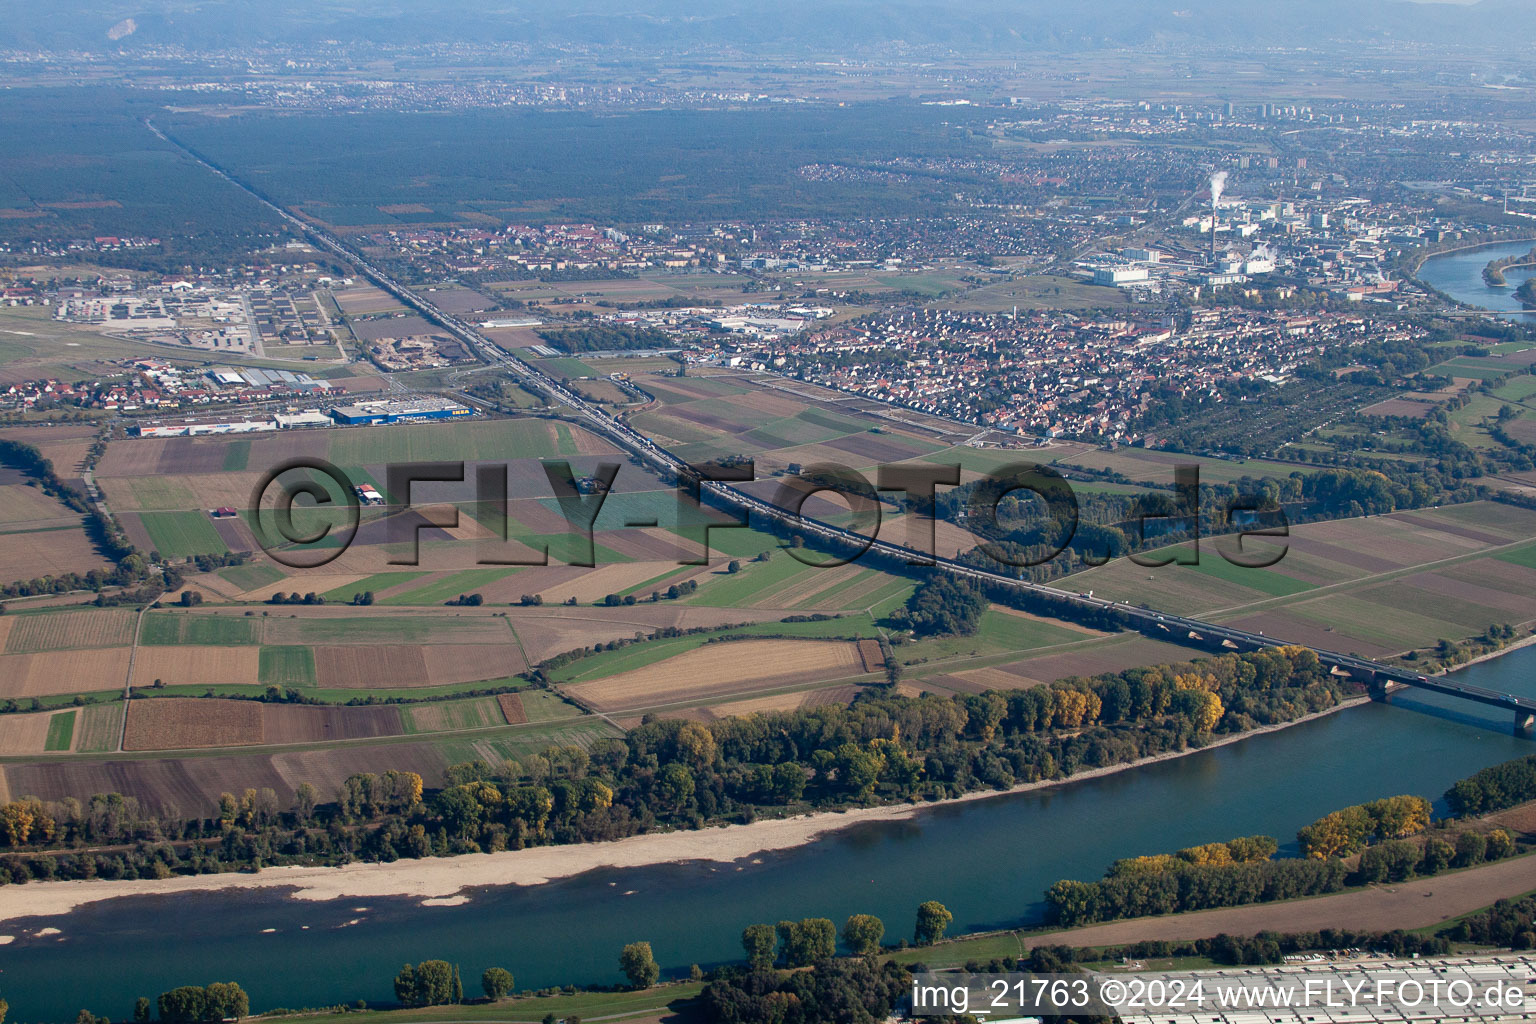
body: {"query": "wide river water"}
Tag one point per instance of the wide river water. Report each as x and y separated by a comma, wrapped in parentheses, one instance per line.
(989, 861)
(1460, 275)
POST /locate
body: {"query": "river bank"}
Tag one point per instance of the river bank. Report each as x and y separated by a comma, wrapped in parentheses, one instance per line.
(444, 881)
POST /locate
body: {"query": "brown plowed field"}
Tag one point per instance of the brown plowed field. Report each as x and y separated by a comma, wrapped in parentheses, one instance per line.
(197, 665)
(175, 723)
(358, 667)
(869, 654)
(470, 663)
(191, 785)
(39, 675)
(720, 669)
(293, 723)
(512, 708)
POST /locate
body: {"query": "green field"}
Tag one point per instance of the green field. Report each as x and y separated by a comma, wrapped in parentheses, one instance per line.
(520, 741)
(624, 659)
(448, 588)
(1266, 581)
(179, 534)
(1524, 555)
(100, 727)
(998, 633)
(158, 492)
(453, 715)
(741, 588)
(1517, 389)
(162, 628)
(566, 366)
(251, 577)
(667, 1002)
(377, 582)
(236, 454)
(286, 666)
(61, 731)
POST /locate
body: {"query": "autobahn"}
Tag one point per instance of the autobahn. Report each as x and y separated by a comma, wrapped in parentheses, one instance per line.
(1378, 677)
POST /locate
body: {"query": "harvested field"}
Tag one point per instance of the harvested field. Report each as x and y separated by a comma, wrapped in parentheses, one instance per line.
(1415, 904)
(471, 662)
(238, 666)
(180, 724)
(49, 552)
(23, 504)
(377, 625)
(720, 669)
(24, 734)
(512, 708)
(870, 656)
(365, 300)
(980, 680)
(1113, 655)
(54, 672)
(191, 785)
(549, 631)
(794, 701)
(369, 667)
(174, 723)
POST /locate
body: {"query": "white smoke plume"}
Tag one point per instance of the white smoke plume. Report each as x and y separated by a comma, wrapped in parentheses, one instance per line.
(1218, 186)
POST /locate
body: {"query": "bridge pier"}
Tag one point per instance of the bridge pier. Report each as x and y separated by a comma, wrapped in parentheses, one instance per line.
(1377, 688)
(1525, 722)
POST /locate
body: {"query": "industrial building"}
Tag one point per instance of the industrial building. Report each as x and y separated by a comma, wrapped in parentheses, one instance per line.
(404, 411)
(1119, 275)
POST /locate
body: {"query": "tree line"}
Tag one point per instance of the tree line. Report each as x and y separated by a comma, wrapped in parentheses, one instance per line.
(674, 774)
(1242, 871)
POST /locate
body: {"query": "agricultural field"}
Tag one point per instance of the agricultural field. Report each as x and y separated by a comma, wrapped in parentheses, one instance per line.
(99, 727)
(65, 630)
(50, 673)
(30, 733)
(174, 723)
(39, 536)
(169, 628)
(1358, 584)
(720, 669)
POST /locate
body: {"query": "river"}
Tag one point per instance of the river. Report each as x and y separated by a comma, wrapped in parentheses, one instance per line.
(1460, 275)
(988, 861)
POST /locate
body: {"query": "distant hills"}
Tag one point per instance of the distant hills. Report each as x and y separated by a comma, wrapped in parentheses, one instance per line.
(785, 26)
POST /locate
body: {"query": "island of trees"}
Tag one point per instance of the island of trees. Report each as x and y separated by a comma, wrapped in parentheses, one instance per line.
(1493, 273)
(1526, 293)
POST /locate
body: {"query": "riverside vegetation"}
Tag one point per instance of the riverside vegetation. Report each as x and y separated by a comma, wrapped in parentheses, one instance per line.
(670, 774)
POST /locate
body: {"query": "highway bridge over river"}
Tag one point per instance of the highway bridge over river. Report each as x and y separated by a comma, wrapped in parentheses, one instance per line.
(1378, 678)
